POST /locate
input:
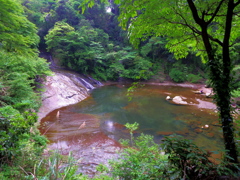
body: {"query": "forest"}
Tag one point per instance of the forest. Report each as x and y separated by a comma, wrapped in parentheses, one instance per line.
(180, 41)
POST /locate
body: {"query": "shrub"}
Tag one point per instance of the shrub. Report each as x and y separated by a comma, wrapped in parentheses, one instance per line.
(193, 78)
(177, 75)
(26, 155)
(192, 162)
(13, 127)
(236, 93)
(143, 160)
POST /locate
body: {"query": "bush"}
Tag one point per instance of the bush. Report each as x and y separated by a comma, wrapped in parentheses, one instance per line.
(26, 155)
(144, 160)
(192, 162)
(236, 93)
(141, 159)
(13, 127)
(193, 78)
(177, 75)
(53, 167)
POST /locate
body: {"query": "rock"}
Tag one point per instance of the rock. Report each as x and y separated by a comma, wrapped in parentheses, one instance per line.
(209, 94)
(60, 91)
(168, 98)
(178, 100)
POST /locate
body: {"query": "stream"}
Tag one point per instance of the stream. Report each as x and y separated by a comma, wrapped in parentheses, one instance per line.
(91, 129)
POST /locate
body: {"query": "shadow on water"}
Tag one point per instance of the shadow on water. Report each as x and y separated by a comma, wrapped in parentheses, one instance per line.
(92, 128)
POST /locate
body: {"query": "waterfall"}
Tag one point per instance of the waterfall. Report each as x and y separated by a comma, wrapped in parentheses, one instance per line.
(64, 87)
(98, 83)
(88, 85)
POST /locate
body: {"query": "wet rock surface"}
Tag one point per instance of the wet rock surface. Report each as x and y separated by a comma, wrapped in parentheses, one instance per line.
(61, 90)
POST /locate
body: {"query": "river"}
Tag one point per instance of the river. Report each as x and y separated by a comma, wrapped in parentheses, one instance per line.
(91, 129)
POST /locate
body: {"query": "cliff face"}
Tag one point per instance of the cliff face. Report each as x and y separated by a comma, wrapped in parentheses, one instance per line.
(63, 89)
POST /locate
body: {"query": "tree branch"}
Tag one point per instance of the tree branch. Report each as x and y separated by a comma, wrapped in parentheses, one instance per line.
(194, 12)
(216, 11)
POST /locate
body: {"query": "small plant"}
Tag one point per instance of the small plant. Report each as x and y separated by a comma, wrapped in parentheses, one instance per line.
(131, 128)
(56, 166)
(132, 88)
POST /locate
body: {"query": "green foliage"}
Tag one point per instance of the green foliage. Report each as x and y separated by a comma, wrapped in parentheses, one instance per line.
(131, 128)
(19, 35)
(184, 72)
(17, 79)
(140, 70)
(155, 48)
(13, 127)
(25, 155)
(236, 79)
(130, 91)
(81, 50)
(192, 162)
(18, 100)
(55, 166)
(144, 160)
(236, 93)
(88, 50)
(58, 169)
(19, 66)
(193, 78)
(177, 75)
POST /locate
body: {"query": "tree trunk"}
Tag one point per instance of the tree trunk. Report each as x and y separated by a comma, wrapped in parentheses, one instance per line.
(221, 86)
(220, 74)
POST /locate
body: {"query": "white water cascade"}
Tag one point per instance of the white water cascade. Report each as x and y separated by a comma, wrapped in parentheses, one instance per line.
(64, 88)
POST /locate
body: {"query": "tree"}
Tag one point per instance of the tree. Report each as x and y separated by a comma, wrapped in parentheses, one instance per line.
(19, 66)
(17, 34)
(209, 28)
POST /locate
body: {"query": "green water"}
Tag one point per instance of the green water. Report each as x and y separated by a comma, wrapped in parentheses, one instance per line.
(91, 129)
(153, 112)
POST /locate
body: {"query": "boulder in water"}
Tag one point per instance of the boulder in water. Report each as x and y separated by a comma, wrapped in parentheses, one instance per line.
(168, 98)
(209, 95)
(179, 100)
